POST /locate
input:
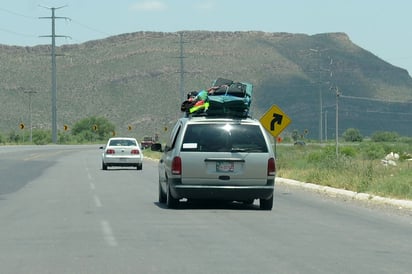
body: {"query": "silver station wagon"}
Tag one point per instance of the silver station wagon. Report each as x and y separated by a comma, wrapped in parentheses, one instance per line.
(219, 159)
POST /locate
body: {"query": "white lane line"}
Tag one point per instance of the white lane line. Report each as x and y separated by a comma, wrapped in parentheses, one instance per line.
(108, 233)
(88, 174)
(97, 201)
(92, 186)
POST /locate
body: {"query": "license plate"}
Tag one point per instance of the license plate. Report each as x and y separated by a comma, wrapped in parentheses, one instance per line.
(225, 167)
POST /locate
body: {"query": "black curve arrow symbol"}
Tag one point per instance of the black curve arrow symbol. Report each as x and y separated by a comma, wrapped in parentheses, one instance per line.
(277, 119)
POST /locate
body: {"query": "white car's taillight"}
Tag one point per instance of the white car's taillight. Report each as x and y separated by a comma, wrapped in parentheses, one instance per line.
(135, 152)
(110, 151)
(271, 167)
(177, 166)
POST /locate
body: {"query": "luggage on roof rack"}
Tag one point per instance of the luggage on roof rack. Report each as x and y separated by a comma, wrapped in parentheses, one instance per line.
(227, 105)
(237, 89)
(225, 99)
(221, 82)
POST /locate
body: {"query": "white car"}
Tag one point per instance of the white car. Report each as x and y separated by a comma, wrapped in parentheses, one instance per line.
(123, 152)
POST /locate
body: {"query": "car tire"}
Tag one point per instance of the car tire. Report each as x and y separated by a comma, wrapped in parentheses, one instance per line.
(162, 195)
(171, 201)
(266, 204)
(104, 166)
(139, 166)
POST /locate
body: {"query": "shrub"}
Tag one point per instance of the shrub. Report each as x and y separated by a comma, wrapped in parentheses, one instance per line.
(366, 178)
(372, 151)
(65, 138)
(93, 129)
(384, 136)
(41, 137)
(324, 158)
(348, 151)
(352, 135)
(14, 137)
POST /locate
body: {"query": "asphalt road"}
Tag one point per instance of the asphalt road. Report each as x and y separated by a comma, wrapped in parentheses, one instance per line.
(60, 213)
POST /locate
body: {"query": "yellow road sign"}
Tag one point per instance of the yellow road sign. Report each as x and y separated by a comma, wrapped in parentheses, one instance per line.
(275, 120)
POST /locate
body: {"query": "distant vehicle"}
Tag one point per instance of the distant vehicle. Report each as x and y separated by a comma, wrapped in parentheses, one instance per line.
(219, 159)
(147, 142)
(122, 152)
(299, 143)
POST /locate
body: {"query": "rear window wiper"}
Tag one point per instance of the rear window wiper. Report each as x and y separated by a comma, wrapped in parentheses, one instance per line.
(248, 149)
(238, 149)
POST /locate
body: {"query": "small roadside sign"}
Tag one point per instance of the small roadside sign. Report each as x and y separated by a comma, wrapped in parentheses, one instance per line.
(275, 120)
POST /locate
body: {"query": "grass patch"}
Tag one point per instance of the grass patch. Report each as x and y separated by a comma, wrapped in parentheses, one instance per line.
(358, 168)
(151, 154)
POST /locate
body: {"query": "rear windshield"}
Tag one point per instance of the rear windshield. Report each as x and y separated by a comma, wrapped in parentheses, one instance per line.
(224, 138)
(125, 143)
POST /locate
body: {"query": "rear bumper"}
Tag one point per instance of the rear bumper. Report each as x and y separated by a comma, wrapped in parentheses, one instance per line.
(233, 193)
(112, 161)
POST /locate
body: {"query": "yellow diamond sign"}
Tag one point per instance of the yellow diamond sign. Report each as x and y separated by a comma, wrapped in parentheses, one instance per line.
(275, 120)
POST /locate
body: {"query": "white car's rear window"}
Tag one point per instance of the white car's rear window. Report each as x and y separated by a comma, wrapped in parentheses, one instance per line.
(125, 143)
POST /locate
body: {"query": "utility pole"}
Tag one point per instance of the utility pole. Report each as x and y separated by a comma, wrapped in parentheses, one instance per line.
(53, 57)
(326, 126)
(337, 122)
(30, 92)
(319, 52)
(320, 93)
(320, 104)
(182, 70)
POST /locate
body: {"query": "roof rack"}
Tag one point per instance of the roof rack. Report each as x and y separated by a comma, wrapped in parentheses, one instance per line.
(224, 115)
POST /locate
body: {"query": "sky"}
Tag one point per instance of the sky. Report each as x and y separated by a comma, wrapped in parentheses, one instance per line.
(382, 27)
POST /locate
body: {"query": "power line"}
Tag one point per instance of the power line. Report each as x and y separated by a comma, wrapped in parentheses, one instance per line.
(90, 28)
(14, 13)
(17, 33)
(389, 112)
(17, 14)
(6, 30)
(375, 99)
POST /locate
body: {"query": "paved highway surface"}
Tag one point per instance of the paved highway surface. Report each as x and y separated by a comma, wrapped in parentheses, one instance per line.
(60, 213)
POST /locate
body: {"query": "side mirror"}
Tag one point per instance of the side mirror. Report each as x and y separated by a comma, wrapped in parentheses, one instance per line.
(156, 147)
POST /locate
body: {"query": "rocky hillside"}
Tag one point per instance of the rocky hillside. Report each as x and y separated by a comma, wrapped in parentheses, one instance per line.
(134, 79)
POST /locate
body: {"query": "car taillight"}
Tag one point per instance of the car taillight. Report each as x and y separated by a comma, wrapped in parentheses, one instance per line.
(271, 167)
(177, 166)
(110, 151)
(135, 151)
